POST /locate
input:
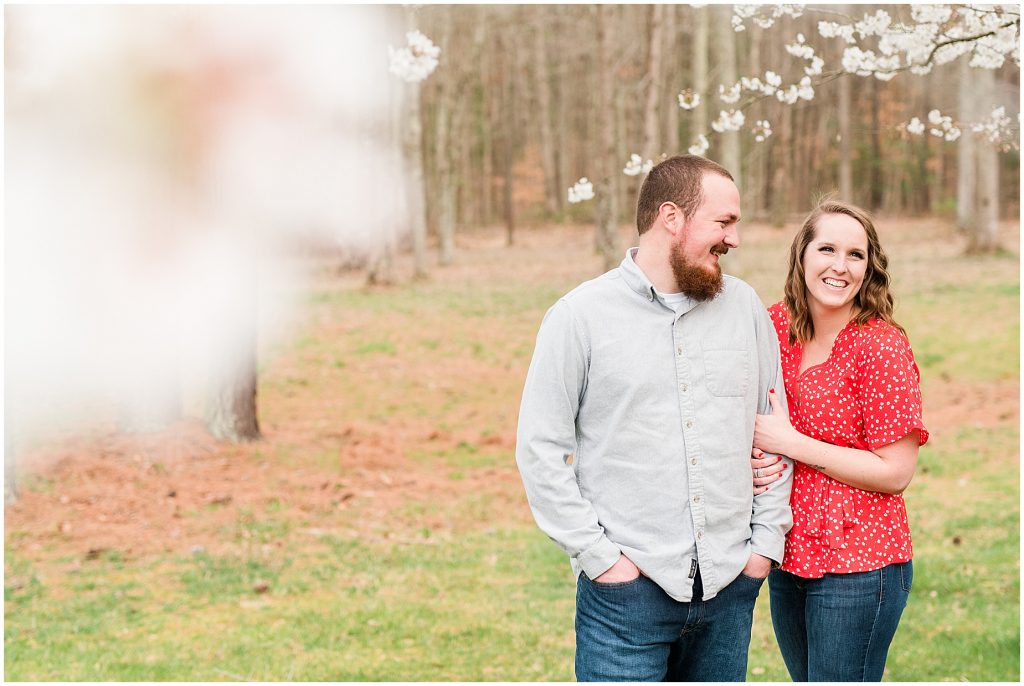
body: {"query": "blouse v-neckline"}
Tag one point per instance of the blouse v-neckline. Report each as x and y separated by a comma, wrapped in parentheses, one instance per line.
(801, 373)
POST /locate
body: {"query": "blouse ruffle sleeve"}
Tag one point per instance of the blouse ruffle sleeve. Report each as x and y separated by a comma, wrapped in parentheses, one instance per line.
(890, 386)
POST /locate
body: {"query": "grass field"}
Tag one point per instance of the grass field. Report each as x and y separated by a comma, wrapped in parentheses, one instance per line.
(379, 531)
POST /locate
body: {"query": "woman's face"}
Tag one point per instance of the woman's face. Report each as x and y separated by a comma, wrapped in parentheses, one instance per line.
(835, 262)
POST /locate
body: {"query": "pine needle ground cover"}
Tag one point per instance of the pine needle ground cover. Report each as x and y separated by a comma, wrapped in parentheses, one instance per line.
(380, 532)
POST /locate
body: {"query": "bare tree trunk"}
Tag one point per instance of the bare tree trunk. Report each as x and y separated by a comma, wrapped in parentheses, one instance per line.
(845, 133)
(700, 70)
(447, 81)
(507, 142)
(876, 185)
(563, 136)
(417, 201)
(780, 181)
(966, 172)
(607, 203)
(413, 148)
(652, 72)
(623, 186)
(380, 268)
(505, 113)
(542, 88)
(669, 67)
(985, 236)
(231, 406)
(510, 207)
(725, 57)
(484, 111)
(754, 188)
(231, 412)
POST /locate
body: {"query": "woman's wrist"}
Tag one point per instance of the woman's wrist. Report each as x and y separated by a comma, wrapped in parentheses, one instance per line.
(797, 446)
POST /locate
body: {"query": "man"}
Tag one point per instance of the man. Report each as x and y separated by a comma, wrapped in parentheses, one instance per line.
(634, 442)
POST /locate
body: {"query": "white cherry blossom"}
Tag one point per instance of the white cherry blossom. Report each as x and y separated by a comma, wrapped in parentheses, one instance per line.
(637, 166)
(875, 24)
(700, 147)
(581, 190)
(763, 15)
(762, 130)
(731, 120)
(831, 29)
(730, 96)
(417, 60)
(689, 99)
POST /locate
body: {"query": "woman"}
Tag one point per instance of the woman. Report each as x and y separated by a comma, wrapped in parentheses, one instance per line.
(855, 407)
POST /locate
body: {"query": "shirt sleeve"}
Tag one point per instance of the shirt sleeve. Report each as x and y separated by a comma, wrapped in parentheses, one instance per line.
(546, 442)
(890, 387)
(771, 517)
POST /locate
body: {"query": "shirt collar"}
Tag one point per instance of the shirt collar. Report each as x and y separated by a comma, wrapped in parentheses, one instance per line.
(638, 281)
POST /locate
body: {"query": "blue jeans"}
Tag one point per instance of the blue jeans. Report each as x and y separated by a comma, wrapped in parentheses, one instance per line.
(634, 631)
(839, 627)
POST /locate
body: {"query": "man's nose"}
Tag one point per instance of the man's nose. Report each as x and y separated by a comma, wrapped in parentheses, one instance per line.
(732, 237)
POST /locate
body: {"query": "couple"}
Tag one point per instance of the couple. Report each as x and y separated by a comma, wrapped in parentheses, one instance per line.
(653, 391)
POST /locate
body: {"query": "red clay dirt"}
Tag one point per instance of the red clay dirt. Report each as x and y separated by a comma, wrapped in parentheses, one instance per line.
(180, 488)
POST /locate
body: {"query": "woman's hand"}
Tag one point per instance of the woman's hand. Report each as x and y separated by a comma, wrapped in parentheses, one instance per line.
(772, 432)
(766, 469)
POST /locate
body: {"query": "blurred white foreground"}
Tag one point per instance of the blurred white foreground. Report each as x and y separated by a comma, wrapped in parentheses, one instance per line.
(160, 161)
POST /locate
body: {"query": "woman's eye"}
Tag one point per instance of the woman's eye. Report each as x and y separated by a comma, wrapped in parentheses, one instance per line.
(857, 255)
(825, 248)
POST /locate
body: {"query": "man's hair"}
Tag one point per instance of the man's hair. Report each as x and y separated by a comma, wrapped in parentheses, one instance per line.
(678, 180)
(873, 300)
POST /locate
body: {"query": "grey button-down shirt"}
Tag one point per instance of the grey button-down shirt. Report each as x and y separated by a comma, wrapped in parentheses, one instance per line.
(636, 427)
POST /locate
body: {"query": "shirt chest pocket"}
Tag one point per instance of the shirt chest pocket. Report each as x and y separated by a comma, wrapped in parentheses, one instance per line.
(726, 372)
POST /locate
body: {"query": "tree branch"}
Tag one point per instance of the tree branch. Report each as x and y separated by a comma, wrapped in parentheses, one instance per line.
(952, 41)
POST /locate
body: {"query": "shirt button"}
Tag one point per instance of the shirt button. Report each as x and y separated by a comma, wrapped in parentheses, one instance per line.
(693, 460)
(696, 498)
(700, 535)
(679, 350)
(689, 423)
(685, 387)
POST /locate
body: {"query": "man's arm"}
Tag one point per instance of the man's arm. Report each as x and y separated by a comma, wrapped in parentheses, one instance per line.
(546, 442)
(771, 517)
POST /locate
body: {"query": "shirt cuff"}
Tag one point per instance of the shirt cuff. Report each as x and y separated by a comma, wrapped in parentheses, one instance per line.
(768, 544)
(598, 559)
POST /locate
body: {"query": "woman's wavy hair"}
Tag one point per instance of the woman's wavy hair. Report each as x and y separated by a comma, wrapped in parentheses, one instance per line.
(873, 300)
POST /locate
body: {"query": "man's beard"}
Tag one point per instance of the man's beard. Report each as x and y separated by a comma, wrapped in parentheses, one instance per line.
(697, 281)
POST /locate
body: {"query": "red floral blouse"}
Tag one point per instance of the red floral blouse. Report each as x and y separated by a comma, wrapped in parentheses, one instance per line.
(865, 395)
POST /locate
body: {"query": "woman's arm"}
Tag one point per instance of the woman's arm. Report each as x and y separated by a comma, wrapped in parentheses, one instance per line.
(887, 469)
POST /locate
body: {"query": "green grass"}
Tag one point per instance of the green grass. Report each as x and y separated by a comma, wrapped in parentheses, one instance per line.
(980, 352)
(468, 608)
(481, 598)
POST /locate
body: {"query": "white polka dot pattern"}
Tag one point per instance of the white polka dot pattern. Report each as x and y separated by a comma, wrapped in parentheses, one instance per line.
(865, 395)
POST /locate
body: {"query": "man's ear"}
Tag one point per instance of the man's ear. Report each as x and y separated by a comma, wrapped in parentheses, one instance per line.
(671, 217)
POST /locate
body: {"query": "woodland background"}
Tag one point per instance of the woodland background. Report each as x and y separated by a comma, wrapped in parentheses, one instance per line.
(269, 309)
